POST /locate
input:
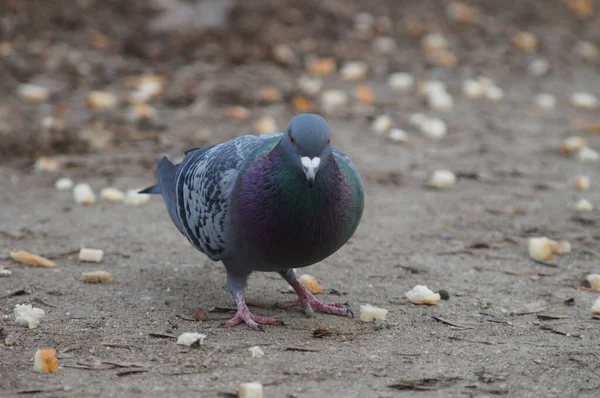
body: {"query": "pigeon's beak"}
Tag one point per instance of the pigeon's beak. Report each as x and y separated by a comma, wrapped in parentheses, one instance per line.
(310, 167)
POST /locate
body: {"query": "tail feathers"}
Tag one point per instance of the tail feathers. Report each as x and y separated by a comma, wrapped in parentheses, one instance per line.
(154, 189)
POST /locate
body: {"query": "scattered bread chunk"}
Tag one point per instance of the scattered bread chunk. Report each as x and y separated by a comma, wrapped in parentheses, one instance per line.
(588, 155)
(133, 198)
(63, 184)
(421, 294)
(27, 315)
(368, 313)
(47, 164)
(583, 100)
(112, 195)
(256, 351)
(33, 94)
(381, 124)
(573, 143)
(45, 361)
(91, 255)
(401, 81)
(83, 194)
(442, 179)
(560, 247)
(584, 206)
(354, 70)
(5, 273)
(545, 101)
(250, 390)
(24, 257)
(434, 128)
(596, 307)
(311, 283)
(101, 100)
(97, 277)
(540, 249)
(189, 339)
(594, 280)
(238, 113)
(582, 183)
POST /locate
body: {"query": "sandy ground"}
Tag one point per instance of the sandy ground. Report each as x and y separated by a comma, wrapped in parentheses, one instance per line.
(512, 327)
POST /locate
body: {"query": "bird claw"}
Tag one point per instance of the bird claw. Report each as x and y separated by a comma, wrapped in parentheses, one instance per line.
(310, 304)
(253, 321)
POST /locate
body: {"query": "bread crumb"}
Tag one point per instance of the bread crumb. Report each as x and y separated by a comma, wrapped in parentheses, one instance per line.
(311, 283)
(91, 255)
(63, 184)
(442, 179)
(560, 247)
(582, 183)
(421, 294)
(133, 198)
(27, 315)
(83, 194)
(97, 277)
(189, 339)
(256, 351)
(24, 257)
(540, 249)
(594, 280)
(47, 164)
(45, 361)
(368, 313)
(587, 155)
(584, 206)
(573, 143)
(250, 390)
(112, 195)
(596, 307)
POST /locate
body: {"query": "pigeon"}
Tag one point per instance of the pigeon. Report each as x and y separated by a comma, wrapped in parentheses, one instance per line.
(267, 203)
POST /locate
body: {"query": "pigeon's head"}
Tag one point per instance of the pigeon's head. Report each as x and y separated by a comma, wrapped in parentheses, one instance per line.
(306, 142)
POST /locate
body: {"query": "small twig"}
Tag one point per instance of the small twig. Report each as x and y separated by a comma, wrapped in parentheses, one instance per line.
(472, 341)
(131, 372)
(162, 335)
(300, 349)
(450, 323)
(590, 251)
(41, 301)
(62, 254)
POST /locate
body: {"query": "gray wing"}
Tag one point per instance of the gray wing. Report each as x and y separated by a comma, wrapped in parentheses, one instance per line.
(204, 186)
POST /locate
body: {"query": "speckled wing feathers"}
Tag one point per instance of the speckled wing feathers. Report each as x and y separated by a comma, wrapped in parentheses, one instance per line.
(204, 187)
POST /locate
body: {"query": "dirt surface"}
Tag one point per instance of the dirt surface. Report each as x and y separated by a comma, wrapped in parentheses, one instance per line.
(511, 327)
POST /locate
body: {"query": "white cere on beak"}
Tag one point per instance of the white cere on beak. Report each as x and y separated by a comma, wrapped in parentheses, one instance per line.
(310, 166)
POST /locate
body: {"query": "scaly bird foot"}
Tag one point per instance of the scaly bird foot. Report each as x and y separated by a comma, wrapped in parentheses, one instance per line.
(310, 303)
(252, 320)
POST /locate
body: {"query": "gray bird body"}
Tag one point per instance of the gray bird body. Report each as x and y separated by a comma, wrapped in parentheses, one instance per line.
(245, 202)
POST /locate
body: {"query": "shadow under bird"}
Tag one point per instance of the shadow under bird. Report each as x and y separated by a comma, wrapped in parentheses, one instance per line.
(266, 203)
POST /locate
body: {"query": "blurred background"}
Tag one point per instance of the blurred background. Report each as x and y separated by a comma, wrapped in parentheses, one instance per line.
(475, 127)
(135, 75)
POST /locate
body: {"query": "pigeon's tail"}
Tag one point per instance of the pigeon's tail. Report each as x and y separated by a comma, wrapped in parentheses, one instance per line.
(167, 186)
(154, 189)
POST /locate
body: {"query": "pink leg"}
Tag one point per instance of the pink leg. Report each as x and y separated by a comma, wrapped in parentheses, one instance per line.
(252, 320)
(310, 303)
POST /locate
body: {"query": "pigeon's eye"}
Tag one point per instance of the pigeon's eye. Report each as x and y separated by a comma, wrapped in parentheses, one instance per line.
(292, 139)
